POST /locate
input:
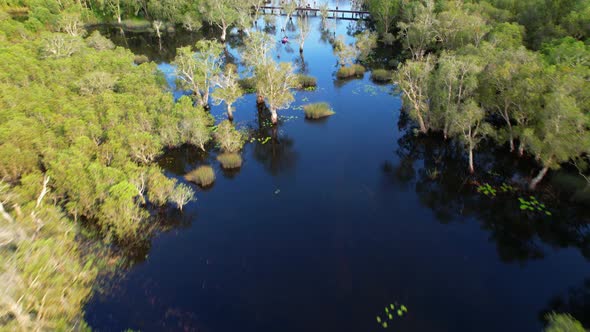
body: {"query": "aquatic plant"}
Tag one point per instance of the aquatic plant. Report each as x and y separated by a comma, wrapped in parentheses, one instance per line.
(354, 70)
(389, 312)
(533, 205)
(381, 75)
(317, 110)
(230, 160)
(306, 82)
(507, 188)
(487, 190)
(202, 175)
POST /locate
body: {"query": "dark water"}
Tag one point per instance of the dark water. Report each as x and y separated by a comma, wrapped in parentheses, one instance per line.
(331, 221)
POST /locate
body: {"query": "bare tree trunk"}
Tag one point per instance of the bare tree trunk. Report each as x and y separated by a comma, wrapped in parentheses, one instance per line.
(511, 138)
(223, 33)
(421, 123)
(538, 178)
(471, 168)
(274, 118)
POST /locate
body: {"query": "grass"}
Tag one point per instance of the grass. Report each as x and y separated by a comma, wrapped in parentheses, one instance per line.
(355, 70)
(230, 160)
(202, 175)
(381, 76)
(306, 82)
(248, 84)
(317, 110)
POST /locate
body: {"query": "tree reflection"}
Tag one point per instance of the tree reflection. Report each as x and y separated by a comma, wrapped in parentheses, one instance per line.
(435, 169)
(277, 154)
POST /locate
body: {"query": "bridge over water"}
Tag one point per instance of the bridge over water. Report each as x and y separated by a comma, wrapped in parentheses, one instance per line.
(345, 14)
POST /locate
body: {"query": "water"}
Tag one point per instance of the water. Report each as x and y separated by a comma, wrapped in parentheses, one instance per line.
(324, 227)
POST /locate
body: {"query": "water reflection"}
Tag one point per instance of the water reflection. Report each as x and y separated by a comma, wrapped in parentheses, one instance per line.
(435, 170)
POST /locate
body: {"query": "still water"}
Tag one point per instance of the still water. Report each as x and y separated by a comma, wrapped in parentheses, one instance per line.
(331, 221)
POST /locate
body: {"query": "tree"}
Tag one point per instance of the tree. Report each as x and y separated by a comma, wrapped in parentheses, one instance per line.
(506, 83)
(417, 30)
(468, 123)
(275, 81)
(229, 139)
(222, 13)
(454, 82)
(413, 79)
(227, 90)
(366, 42)
(256, 54)
(560, 131)
(197, 70)
(182, 195)
(456, 27)
(304, 30)
(384, 12)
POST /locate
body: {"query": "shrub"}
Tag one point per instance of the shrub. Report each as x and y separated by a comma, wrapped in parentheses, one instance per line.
(230, 160)
(229, 138)
(139, 59)
(99, 42)
(381, 75)
(248, 84)
(317, 110)
(352, 71)
(306, 82)
(202, 175)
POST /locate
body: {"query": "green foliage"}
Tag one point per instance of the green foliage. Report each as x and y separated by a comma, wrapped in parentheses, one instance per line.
(381, 75)
(248, 84)
(317, 110)
(274, 82)
(563, 323)
(99, 42)
(181, 195)
(197, 71)
(202, 175)
(230, 160)
(228, 138)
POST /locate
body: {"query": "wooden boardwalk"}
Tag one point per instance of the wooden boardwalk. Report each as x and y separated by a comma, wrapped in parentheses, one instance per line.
(344, 14)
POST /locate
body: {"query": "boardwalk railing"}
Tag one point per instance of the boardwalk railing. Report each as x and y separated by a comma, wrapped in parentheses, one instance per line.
(335, 13)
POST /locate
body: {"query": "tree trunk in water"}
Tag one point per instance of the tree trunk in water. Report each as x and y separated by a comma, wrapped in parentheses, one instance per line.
(230, 115)
(422, 125)
(538, 178)
(274, 118)
(260, 102)
(471, 168)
